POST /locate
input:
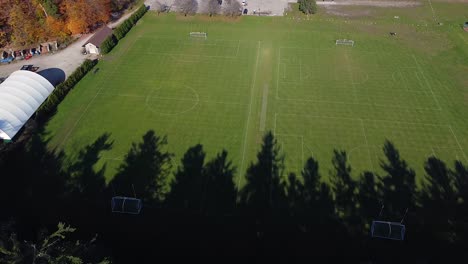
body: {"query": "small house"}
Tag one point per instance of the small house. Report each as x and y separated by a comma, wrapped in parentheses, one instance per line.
(94, 43)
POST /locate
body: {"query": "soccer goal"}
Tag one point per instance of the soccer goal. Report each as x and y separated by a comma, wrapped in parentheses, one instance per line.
(198, 35)
(346, 42)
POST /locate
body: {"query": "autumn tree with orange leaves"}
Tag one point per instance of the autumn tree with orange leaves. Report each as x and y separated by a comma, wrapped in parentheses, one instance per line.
(24, 23)
(85, 15)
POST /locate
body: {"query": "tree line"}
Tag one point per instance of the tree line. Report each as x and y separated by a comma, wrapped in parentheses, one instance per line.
(196, 208)
(209, 7)
(28, 22)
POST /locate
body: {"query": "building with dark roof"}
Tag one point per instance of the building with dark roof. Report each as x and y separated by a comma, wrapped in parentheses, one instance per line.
(94, 43)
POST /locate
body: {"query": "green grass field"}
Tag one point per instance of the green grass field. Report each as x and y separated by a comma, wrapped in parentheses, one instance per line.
(283, 74)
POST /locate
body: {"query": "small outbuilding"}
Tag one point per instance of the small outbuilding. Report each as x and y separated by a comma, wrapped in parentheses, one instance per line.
(92, 46)
(465, 26)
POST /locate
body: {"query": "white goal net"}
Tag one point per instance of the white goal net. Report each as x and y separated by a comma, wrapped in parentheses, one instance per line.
(197, 35)
(346, 42)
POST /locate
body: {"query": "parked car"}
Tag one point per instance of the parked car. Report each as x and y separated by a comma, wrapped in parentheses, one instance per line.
(7, 60)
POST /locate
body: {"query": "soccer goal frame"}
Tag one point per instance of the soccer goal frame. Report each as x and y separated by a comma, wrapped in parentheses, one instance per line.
(346, 42)
(197, 35)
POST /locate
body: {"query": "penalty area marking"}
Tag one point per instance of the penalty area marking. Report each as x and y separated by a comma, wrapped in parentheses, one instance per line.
(458, 143)
(427, 82)
(458, 147)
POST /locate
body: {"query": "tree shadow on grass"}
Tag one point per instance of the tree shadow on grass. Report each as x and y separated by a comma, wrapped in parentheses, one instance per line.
(188, 186)
(398, 183)
(145, 170)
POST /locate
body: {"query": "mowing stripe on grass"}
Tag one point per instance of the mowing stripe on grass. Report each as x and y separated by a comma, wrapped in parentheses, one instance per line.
(264, 108)
(252, 90)
(427, 83)
(91, 102)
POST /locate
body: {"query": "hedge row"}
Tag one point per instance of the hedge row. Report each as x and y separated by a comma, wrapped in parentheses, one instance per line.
(59, 93)
(125, 27)
(122, 30)
(108, 44)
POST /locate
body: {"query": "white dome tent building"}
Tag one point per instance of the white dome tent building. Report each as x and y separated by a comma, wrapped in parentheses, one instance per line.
(21, 94)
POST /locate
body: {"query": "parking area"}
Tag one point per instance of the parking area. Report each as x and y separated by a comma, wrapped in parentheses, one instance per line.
(267, 7)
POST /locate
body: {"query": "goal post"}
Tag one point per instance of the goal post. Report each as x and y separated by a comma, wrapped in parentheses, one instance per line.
(198, 35)
(346, 42)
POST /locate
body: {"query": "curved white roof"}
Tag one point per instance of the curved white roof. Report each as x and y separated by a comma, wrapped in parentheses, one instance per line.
(20, 96)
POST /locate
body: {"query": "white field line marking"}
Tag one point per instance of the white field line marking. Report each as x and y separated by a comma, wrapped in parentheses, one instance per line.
(321, 50)
(300, 71)
(274, 127)
(252, 91)
(419, 80)
(277, 75)
(148, 97)
(237, 51)
(367, 143)
(403, 80)
(368, 119)
(170, 98)
(183, 40)
(310, 150)
(374, 146)
(302, 146)
(379, 120)
(427, 82)
(351, 103)
(359, 104)
(263, 113)
(184, 54)
(433, 12)
(92, 100)
(458, 143)
(351, 76)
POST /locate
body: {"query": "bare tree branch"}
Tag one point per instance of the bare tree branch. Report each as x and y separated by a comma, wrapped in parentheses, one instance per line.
(212, 7)
(187, 7)
(159, 7)
(232, 8)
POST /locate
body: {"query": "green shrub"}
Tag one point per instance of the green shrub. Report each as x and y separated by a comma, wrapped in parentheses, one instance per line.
(59, 93)
(308, 6)
(123, 29)
(108, 44)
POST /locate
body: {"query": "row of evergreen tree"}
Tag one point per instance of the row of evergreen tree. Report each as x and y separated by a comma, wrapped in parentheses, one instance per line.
(196, 208)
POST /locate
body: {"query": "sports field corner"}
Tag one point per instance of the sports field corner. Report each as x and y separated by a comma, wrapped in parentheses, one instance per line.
(285, 75)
